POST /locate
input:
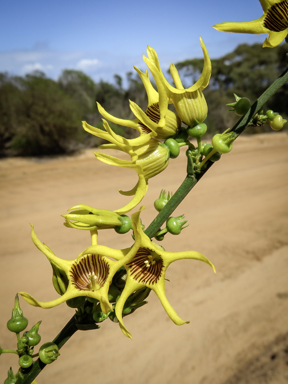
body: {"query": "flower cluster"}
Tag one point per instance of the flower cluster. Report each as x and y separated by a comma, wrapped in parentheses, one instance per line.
(106, 282)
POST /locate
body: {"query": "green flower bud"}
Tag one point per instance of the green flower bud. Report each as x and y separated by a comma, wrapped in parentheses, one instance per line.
(126, 224)
(277, 123)
(198, 131)
(18, 322)
(222, 142)
(33, 336)
(89, 218)
(25, 361)
(162, 200)
(48, 353)
(270, 114)
(173, 147)
(175, 225)
(241, 106)
(11, 379)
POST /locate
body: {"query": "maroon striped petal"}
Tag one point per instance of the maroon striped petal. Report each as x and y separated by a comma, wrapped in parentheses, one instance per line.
(146, 266)
(90, 273)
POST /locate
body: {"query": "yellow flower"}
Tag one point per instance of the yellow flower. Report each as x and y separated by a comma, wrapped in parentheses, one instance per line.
(274, 22)
(157, 121)
(147, 268)
(189, 103)
(148, 159)
(88, 275)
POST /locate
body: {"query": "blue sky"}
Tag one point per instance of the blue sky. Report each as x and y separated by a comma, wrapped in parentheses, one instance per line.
(102, 38)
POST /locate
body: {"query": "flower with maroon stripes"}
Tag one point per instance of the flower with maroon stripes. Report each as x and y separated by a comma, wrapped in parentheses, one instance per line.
(88, 275)
(274, 22)
(147, 268)
(156, 122)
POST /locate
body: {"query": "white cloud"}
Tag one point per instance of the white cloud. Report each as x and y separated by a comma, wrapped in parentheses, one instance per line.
(87, 63)
(36, 66)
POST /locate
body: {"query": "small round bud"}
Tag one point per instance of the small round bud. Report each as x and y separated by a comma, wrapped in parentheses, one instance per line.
(175, 225)
(126, 225)
(173, 147)
(270, 114)
(25, 361)
(197, 131)
(48, 353)
(277, 123)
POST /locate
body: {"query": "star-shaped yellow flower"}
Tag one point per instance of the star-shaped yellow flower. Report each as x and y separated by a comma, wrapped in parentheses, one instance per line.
(274, 22)
(189, 103)
(88, 275)
(157, 121)
(147, 268)
(148, 159)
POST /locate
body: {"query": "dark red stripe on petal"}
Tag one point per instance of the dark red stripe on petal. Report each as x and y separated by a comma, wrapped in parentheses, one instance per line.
(145, 270)
(276, 19)
(90, 267)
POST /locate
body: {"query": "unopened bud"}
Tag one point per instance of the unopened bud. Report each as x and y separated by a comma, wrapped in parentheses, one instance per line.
(48, 353)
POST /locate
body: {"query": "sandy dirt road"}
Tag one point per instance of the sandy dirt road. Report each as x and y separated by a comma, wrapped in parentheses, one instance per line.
(238, 216)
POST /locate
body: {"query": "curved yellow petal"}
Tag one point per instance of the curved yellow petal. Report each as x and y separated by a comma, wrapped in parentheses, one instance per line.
(95, 131)
(111, 160)
(254, 26)
(275, 38)
(130, 287)
(144, 118)
(176, 77)
(69, 294)
(126, 123)
(138, 231)
(142, 187)
(102, 250)
(152, 94)
(170, 257)
(159, 289)
(64, 264)
(131, 192)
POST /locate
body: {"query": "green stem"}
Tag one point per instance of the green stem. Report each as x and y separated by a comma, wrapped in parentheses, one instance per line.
(9, 351)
